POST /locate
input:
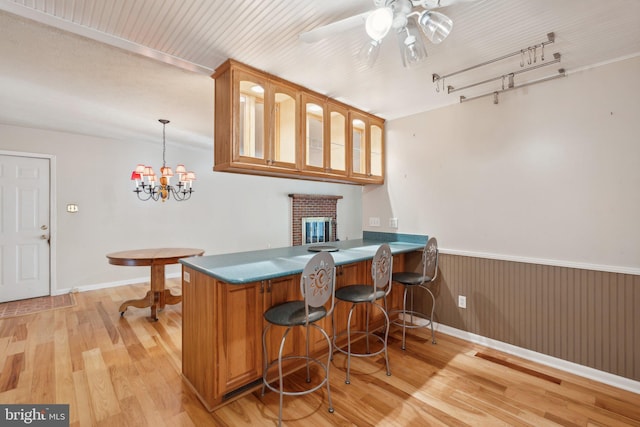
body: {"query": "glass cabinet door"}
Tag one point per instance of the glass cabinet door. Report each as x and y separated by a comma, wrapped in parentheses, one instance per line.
(358, 145)
(376, 161)
(338, 139)
(250, 125)
(313, 123)
(285, 113)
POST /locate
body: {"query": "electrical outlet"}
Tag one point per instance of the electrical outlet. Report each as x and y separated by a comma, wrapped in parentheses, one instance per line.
(393, 222)
(186, 277)
(462, 301)
(374, 221)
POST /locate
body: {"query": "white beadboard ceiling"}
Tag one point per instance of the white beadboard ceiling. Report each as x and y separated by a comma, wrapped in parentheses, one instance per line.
(112, 68)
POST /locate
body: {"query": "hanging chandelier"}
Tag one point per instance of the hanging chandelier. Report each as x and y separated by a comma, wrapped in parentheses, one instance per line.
(149, 188)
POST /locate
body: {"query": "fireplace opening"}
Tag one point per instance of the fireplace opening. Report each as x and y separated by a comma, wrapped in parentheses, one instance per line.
(316, 230)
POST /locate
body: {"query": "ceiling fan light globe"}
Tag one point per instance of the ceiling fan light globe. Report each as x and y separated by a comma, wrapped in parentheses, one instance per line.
(369, 53)
(379, 23)
(435, 25)
(413, 51)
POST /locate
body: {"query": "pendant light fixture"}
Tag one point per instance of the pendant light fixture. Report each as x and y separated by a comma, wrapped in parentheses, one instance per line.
(149, 188)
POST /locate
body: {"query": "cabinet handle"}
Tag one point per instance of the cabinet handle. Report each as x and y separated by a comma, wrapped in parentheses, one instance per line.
(269, 286)
(262, 286)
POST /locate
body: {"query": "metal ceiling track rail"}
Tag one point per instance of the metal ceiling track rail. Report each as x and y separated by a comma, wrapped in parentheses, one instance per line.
(509, 76)
(561, 73)
(551, 38)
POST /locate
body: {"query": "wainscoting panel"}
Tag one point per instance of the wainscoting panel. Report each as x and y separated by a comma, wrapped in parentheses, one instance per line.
(583, 316)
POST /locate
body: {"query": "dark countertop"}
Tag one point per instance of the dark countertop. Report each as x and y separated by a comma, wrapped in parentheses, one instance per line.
(247, 267)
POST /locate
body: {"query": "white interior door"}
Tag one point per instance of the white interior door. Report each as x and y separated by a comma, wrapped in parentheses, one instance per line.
(24, 227)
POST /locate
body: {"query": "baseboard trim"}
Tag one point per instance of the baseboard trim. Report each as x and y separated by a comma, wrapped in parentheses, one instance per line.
(553, 362)
(105, 285)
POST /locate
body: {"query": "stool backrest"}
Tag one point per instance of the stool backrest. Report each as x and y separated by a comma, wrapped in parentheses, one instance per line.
(317, 282)
(430, 259)
(381, 268)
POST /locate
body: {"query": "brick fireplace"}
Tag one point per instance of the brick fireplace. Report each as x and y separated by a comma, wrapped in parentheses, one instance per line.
(312, 206)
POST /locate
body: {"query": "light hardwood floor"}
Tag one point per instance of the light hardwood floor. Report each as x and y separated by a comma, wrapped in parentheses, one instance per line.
(126, 371)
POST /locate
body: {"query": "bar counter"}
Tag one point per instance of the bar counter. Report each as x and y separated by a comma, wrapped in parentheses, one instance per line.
(254, 266)
(224, 298)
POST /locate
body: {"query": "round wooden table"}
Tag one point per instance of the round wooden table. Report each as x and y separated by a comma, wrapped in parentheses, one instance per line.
(158, 296)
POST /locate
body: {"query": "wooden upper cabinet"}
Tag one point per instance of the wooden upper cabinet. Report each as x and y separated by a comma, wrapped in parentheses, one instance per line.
(268, 126)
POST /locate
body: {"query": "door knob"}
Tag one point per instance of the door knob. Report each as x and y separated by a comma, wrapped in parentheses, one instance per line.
(44, 227)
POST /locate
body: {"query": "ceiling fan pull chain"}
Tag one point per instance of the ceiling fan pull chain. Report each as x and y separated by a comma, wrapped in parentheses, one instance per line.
(521, 58)
(542, 56)
(529, 61)
(535, 53)
(437, 86)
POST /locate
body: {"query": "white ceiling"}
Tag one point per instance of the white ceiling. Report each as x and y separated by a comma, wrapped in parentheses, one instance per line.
(84, 67)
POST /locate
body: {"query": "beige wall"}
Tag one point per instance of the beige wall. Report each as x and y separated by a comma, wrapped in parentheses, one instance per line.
(536, 204)
(227, 213)
(550, 173)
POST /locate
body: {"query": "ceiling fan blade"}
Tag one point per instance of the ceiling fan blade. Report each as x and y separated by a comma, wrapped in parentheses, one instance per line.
(334, 28)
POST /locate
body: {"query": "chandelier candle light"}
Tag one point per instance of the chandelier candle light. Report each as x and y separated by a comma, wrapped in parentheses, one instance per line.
(146, 179)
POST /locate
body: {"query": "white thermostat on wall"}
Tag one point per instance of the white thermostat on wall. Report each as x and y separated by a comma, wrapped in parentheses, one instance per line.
(72, 208)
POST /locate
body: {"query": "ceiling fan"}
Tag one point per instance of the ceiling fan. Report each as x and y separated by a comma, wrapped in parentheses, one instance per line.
(406, 17)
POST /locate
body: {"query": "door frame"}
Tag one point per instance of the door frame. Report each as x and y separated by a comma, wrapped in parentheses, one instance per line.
(53, 229)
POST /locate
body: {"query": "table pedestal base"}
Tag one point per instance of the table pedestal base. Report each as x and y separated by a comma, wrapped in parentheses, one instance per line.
(158, 296)
(154, 299)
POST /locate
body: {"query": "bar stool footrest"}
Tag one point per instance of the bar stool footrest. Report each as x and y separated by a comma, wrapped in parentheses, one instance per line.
(323, 381)
(366, 336)
(408, 323)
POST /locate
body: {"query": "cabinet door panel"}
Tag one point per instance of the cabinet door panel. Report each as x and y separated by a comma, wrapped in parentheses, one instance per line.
(337, 139)
(239, 330)
(284, 120)
(376, 165)
(359, 145)
(250, 112)
(313, 133)
(314, 138)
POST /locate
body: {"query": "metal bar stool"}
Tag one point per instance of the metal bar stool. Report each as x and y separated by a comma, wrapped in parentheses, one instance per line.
(317, 285)
(412, 280)
(381, 268)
